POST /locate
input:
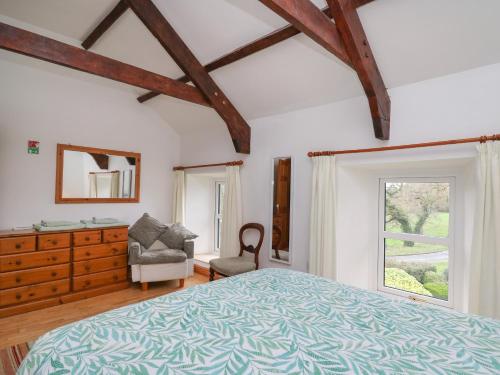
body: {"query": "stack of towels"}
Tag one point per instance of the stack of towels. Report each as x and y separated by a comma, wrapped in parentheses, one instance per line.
(102, 222)
(56, 225)
(47, 226)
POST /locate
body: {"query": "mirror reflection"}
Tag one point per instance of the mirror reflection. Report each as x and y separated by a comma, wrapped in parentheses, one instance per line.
(282, 176)
(95, 175)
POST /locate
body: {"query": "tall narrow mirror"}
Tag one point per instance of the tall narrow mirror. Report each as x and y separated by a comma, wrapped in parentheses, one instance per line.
(281, 212)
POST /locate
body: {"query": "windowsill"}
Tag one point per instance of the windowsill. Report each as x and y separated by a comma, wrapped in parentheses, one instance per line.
(205, 257)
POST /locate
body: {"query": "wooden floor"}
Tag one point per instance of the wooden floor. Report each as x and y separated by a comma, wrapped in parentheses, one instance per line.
(29, 326)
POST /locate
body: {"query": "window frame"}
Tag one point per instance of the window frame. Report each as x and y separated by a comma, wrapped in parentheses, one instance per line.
(449, 241)
(218, 216)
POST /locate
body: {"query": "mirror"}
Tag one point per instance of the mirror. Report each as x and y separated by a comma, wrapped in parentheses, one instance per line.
(94, 175)
(281, 210)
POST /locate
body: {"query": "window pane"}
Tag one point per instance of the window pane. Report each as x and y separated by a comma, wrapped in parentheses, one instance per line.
(416, 268)
(417, 208)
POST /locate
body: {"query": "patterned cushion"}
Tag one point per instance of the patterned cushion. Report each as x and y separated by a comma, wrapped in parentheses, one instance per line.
(232, 266)
(146, 230)
(175, 236)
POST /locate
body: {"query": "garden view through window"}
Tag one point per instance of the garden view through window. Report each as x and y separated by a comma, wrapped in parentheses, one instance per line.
(416, 238)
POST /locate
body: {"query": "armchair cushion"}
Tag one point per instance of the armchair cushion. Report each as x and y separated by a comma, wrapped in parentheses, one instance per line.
(233, 265)
(146, 230)
(139, 255)
(162, 256)
(175, 235)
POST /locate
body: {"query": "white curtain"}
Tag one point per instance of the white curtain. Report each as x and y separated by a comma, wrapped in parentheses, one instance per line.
(115, 184)
(322, 253)
(178, 203)
(231, 214)
(484, 288)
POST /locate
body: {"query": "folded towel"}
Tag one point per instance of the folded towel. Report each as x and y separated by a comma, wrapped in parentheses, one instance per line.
(57, 223)
(92, 225)
(41, 228)
(105, 220)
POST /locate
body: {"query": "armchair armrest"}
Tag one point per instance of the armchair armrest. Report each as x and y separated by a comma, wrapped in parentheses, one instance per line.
(134, 252)
(189, 248)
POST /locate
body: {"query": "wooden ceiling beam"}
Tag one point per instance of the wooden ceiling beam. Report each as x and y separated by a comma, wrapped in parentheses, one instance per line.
(360, 3)
(40, 47)
(257, 45)
(351, 30)
(105, 24)
(185, 59)
(309, 19)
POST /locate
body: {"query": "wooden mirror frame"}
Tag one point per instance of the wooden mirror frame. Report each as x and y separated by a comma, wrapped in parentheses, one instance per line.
(60, 167)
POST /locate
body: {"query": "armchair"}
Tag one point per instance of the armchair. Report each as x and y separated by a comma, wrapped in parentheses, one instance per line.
(159, 263)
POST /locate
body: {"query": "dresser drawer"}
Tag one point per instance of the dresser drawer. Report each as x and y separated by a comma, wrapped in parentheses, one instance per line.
(53, 241)
(87, 238)
(115, 235)
(33, 292)
(99, 251)
(99, 279)
(99, 265)
(33, 260)
(15, 245)
(33, 276)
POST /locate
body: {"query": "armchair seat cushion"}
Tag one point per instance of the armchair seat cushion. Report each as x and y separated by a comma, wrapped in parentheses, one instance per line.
(161, 256)
(232, 266)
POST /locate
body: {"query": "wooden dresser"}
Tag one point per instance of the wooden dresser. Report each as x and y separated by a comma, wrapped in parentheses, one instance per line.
(42, 269)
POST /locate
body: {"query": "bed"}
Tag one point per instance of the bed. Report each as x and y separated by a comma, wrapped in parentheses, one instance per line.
(271, 321)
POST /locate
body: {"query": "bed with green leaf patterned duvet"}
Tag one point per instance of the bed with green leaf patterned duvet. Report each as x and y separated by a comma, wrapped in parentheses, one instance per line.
(271, 321)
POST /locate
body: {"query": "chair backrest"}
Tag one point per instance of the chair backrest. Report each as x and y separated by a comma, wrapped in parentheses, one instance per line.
(251, 248)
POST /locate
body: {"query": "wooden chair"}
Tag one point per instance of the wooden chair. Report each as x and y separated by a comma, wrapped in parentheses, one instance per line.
(236, 265)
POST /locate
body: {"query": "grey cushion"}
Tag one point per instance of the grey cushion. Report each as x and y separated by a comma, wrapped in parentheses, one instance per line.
(162, 256)
(189, 248)
(146, 230)
(232, 266)
(175, 235)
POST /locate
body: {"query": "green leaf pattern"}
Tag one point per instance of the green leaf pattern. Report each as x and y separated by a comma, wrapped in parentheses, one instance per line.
(271, 321)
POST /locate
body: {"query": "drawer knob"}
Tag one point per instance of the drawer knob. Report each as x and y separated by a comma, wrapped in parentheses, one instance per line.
(18, 245)
(115, 236)
(31, 294)
(18, 279)
(115, 264)
(18, 262)
(54, 242)
(115, 277)
(115, 250)
(87, 238)
(54, 289)
(87, 268)
(53, 274)
(54, 258)
(87, 253)
(87, 282)
(18, 296)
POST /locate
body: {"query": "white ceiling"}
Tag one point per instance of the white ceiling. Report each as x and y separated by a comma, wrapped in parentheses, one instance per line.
(412, 40)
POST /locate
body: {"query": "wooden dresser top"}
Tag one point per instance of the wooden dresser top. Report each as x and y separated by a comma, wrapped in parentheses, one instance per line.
(32, 232)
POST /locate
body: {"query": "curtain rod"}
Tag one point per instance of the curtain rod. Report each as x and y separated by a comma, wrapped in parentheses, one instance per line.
(227, 164)
(481, 139)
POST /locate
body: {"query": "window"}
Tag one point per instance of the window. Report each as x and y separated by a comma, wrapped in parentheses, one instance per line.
(219, 201)
(416, 238)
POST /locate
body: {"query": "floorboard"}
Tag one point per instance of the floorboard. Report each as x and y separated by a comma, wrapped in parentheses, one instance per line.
(29, 326)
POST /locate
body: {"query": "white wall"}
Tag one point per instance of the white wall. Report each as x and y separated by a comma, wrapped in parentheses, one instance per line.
(40, 105)
(455, 106)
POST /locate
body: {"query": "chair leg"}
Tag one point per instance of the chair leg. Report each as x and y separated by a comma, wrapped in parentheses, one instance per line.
(181, 283)
(212, 274)
(145, 286)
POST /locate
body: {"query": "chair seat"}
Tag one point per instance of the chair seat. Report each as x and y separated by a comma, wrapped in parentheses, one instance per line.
(232, 266)
(162, 256)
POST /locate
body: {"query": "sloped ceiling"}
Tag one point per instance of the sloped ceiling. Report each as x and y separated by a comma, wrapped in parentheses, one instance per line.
(413, 40)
